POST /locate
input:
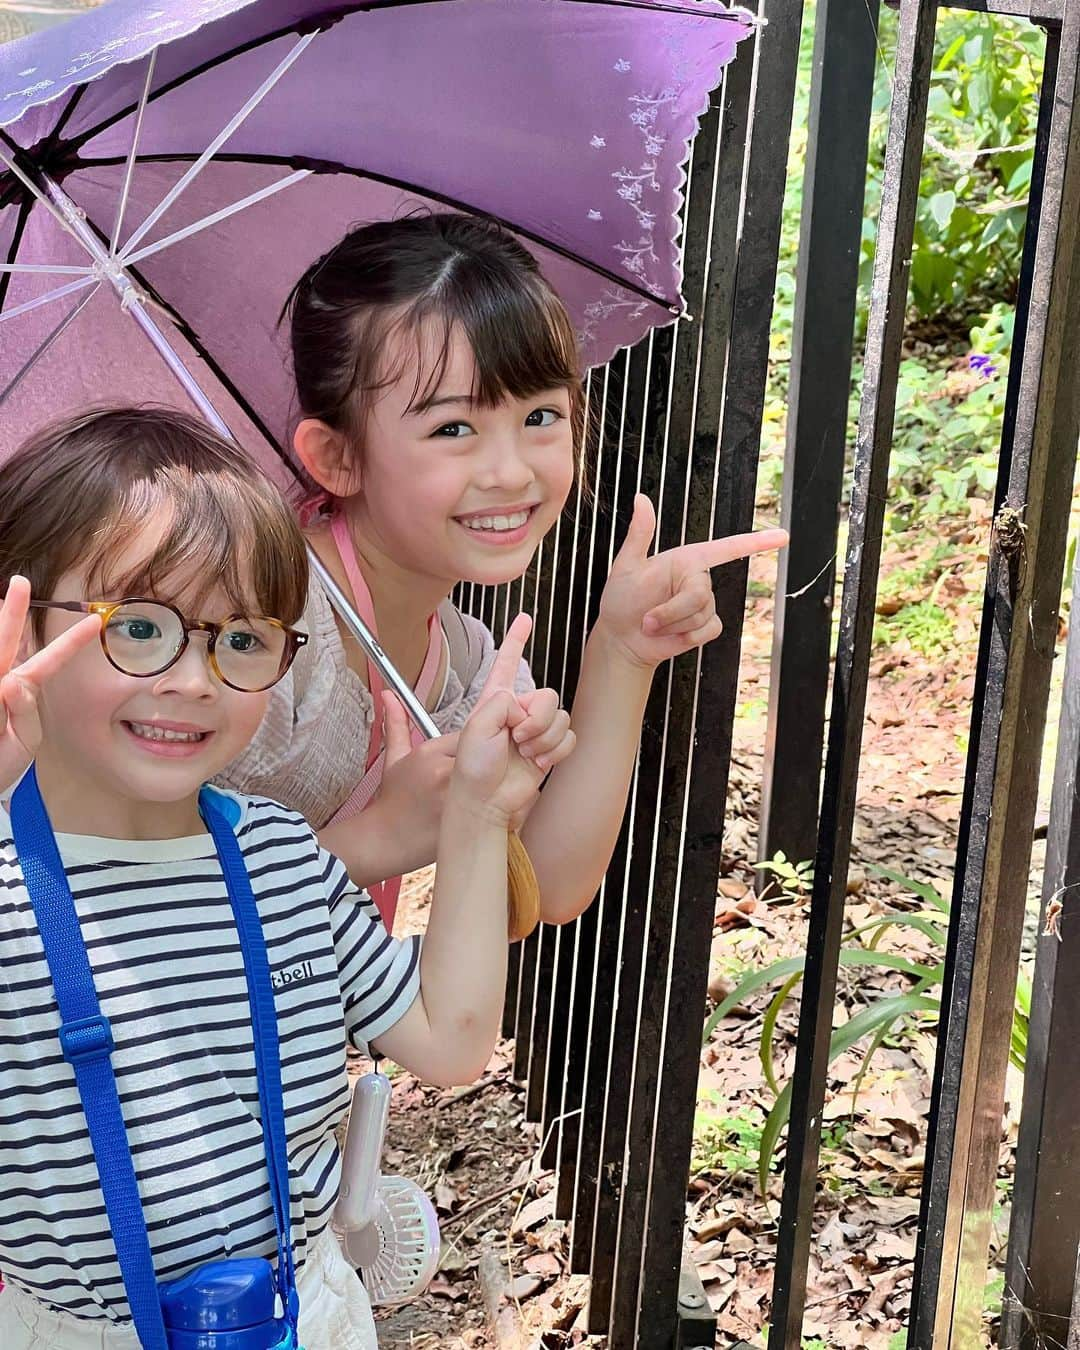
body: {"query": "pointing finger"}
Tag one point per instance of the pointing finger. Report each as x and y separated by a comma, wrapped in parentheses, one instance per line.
(716, 552)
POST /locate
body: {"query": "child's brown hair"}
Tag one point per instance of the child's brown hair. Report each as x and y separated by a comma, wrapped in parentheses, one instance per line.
(72, 493)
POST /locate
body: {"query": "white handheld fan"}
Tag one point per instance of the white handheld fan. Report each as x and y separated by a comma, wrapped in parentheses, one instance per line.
(387, 1225)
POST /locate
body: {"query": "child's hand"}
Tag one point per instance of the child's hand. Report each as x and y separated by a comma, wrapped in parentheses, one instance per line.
(491, 767)
(20, 685)
(661, 606)
(414, 782)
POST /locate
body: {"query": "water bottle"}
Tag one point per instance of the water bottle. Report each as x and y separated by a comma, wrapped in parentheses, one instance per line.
(225, 1305)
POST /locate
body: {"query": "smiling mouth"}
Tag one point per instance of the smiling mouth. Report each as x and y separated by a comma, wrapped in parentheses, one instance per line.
(497, 523)
(147, 731)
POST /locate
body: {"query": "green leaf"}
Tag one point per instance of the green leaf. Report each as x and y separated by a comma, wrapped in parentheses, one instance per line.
(920, 888)
(793, 966)
(941, 206)
(1021, 177)
(768, 1026)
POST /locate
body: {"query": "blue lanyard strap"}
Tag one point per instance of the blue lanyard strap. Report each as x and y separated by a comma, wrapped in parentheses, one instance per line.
(87, 1044)
(264, 1028)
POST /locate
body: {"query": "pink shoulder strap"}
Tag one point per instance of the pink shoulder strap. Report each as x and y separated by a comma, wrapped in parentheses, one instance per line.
(386, 894)
(366, 609)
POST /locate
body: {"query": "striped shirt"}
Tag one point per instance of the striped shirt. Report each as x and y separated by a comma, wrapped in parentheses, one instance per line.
(159, 930)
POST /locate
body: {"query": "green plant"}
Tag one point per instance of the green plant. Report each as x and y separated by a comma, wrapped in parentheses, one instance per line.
(925, 625)
(977, 163)
(948, 426)
(722, 1142)
(792, 880)
(882, 1015)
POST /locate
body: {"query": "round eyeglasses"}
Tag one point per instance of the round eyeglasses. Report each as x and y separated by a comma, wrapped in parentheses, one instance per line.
(146, 637)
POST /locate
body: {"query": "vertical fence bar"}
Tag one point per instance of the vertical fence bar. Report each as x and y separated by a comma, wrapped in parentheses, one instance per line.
(729, 399)
(618, 1234)
(914, 61)
(827, 274)
(1016, 651)
(711, 453)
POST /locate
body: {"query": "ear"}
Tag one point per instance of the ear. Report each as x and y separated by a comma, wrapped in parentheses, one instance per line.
(328, 457)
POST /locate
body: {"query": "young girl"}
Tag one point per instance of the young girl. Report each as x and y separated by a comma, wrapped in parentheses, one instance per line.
(442, 415)
(192, 572)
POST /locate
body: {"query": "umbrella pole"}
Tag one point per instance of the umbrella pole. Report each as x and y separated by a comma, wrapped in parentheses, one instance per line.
(112, 271)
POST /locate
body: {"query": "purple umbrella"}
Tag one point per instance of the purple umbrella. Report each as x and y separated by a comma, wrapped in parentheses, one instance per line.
(167, 172)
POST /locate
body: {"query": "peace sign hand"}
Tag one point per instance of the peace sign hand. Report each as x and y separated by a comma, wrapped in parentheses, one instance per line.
(656, 607)
(491, 765)
(21, 684)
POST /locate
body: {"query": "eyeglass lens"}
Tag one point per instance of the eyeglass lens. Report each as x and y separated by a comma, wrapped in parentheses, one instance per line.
(142, 638)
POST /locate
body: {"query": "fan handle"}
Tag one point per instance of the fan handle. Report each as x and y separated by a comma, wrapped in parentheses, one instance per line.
(362, 1153)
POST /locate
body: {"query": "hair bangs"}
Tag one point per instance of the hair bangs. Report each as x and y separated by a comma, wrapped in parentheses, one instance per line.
(219, 537)
(521, 340)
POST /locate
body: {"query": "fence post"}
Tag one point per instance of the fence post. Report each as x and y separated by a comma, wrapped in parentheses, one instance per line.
(729, 399)
(827, 275)
(1044, 1231)
(1017, 635)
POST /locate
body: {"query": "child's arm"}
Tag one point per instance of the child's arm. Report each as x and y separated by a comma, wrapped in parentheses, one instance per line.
(448, 1034)
(21, 684)
(653, 608)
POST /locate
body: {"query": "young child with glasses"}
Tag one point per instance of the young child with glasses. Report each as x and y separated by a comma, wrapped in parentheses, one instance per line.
(152, 580)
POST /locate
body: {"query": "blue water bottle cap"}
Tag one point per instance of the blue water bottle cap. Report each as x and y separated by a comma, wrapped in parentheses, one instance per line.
(225, 1305)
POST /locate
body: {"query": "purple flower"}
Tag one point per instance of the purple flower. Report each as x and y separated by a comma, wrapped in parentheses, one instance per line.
(982, 364)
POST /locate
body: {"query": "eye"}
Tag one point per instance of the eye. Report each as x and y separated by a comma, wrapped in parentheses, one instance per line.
(241, 641)
(543, 417)
(135, 629)
(454, 431)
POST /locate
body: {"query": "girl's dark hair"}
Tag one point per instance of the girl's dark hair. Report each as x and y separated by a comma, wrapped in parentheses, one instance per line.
(401, 276)
(74, 493)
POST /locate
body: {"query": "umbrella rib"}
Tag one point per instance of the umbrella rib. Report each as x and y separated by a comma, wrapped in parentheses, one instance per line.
(48, 297)
(50, 268)
(207, 221)
(130, 168)
(294, 53)
(454, 203)
(39, 351)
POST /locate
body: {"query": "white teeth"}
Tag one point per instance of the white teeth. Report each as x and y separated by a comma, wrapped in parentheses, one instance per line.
(152, 733)
(513, 522)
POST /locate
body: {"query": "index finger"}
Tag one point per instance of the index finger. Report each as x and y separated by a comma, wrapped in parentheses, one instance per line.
(504, 670)
(716, 552)
(44, 664)
(13, 614)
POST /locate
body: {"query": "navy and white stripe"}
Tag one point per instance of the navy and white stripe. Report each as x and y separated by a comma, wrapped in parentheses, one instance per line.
(158, 927)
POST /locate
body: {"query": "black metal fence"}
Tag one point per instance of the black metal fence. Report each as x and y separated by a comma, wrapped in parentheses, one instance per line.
(608, 1011)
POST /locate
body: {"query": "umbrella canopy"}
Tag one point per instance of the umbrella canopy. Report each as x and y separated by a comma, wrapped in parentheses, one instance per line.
(167, 174)
(212, 148)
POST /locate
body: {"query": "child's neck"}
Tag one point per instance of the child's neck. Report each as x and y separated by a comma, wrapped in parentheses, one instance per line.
(403, 600)
(81, 807)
